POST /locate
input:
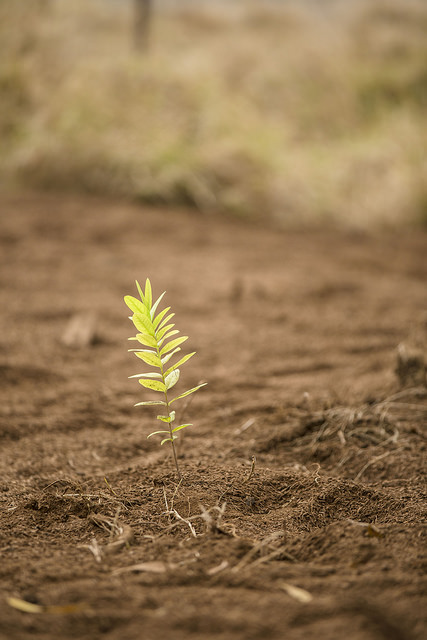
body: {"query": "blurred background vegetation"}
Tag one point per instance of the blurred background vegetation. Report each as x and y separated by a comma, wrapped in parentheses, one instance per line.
(297, 112)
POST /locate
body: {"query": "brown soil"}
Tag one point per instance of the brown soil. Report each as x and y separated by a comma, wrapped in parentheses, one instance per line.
(297, 335)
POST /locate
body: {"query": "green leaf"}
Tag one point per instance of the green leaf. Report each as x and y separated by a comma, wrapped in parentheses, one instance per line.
(181, 426)
(165, 320)
(148, 296)
(167, 336)
(154, 385)
(179, 363)
(155, 433)
(168, 440)
(138, 286)
(171, 379)
(145, 339)
(150, 403)
(169, 356)
(134, 304)
(156, 304)
(160, 317)
(147, 375)
(143, 323)
(162, 332)
(149, 357)
(187, 393)
(171, 345)
(169, 418)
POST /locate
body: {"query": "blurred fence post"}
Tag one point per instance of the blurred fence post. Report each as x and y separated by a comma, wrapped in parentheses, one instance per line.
(142, 24)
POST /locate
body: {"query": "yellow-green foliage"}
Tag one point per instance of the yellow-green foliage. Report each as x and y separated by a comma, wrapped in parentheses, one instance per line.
(156, 350)
(270, 110)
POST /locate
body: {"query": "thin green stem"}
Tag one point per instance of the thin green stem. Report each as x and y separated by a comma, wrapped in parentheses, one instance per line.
(172, 439)
(175, 457)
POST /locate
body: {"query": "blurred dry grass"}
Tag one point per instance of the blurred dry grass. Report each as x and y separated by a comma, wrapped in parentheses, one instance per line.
(281, 112)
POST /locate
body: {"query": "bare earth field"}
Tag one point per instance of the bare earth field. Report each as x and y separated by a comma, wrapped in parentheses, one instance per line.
(302, 510)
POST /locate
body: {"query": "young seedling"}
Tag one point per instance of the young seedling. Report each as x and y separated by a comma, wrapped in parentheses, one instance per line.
(154, 333)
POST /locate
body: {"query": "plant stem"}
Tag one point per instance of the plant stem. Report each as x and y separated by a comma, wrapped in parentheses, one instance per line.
(172, 440)
(175, 457)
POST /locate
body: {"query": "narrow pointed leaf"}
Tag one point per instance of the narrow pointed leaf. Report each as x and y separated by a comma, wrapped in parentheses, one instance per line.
(138, 286)
(146, 375)
(167, 336)
(160, 317)
(168, 440)
(150, 403)
(148, 296)
(134, 304)
(154, 385)
(172, 379)
(155, 433)
(179, 363)
(156, 304)
(187, 393)
(143, 323)
(169, 418)
(149, 357)
(162, 332)
(181, 426)
(169, 356)
(147, 340)
(171, 345)
(165, 321)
